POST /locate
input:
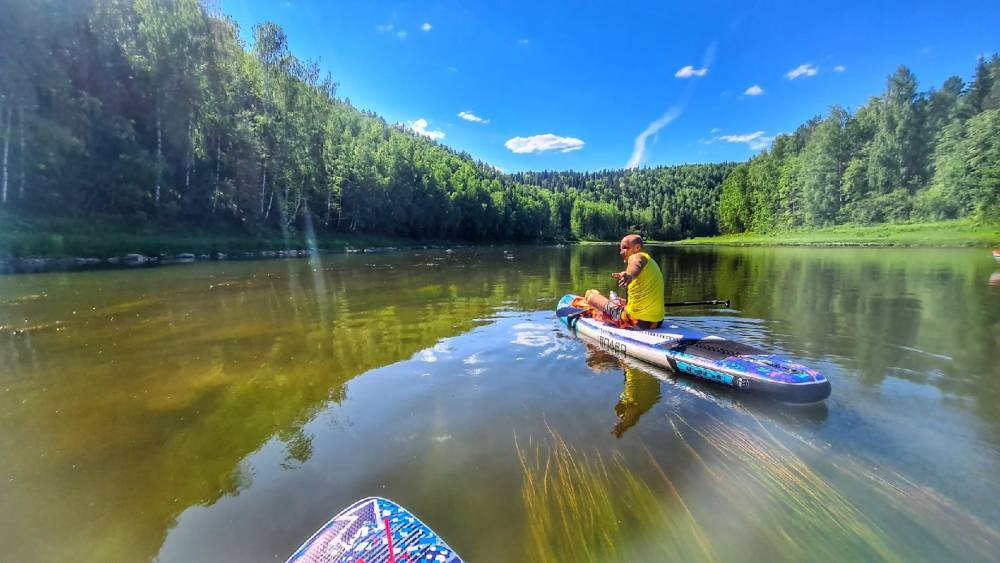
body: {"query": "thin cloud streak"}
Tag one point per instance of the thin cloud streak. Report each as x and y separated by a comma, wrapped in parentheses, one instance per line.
(745, 138)
(755, 141)
(639, 145)
(675, 111)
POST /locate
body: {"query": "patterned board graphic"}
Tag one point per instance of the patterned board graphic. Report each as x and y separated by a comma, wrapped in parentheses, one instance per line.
(705, 356)
(374, 530)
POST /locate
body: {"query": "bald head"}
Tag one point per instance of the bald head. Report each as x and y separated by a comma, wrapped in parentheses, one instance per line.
(632, 240)
(630, 245)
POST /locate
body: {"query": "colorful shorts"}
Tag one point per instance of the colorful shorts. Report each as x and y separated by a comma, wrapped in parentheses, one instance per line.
(615, 312)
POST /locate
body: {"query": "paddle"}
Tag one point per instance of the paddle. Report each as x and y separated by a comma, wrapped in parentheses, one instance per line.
(687, 303)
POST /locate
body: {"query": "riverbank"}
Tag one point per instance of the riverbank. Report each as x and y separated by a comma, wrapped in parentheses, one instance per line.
(957, 233)
(44, 245)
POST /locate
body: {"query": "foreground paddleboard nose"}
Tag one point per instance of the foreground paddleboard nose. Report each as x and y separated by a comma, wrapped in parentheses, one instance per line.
(374, 530)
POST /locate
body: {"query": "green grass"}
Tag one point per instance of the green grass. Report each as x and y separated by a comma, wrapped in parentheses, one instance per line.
(940, 233)
(67, 237)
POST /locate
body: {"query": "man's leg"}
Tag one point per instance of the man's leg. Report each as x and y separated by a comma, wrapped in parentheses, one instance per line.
(610, 311)
(596, 300)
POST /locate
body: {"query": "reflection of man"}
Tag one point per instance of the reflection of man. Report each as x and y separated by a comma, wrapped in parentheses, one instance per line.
(644, 280)
(641, 392)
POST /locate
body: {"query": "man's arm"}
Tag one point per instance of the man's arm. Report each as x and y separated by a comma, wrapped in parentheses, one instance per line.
(636, 263)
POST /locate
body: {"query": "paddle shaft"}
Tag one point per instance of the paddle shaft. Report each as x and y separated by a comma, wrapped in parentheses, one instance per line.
(708, 302)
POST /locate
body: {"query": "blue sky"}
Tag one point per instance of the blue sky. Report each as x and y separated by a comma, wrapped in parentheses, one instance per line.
(592, 85)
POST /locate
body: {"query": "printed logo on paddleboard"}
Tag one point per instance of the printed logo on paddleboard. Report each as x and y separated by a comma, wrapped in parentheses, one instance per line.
(742, 383)
(612, 345)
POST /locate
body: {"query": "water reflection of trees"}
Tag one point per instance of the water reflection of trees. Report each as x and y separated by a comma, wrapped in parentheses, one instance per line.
(859, 306)
(166, 380)
(922, 315)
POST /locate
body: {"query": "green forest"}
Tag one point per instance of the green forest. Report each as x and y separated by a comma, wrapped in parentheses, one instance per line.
(903, 155)
(154, 113)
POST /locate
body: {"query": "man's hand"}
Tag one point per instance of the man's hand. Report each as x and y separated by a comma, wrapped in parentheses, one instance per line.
(636, 263)
(623, 278)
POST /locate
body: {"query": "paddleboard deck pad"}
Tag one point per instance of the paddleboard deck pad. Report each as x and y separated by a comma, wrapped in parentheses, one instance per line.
(705, 356)
(374, 530)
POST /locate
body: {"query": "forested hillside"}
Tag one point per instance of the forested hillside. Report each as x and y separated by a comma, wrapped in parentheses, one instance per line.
(664, 203)
(903, 155)
(153, 112)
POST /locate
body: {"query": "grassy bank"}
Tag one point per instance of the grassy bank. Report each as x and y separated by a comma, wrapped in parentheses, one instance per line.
(22, 237)
(941, 233)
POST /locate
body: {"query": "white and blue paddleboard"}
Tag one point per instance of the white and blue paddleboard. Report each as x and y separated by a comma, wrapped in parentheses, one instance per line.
(375, 530)
(705, 356)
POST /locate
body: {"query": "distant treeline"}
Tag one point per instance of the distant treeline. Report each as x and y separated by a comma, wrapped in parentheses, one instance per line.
(153, 112)
(903, 155)
(664, 203)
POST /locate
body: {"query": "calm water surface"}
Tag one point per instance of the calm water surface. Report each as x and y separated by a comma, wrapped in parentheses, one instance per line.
(224, 411)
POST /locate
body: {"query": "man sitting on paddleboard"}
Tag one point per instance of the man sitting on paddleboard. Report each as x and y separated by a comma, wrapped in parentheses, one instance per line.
(644, 307)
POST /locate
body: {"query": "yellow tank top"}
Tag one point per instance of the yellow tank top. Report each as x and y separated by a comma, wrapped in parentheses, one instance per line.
(645, 293)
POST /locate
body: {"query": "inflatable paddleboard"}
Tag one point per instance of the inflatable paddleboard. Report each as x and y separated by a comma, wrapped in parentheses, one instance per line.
(375, 530)
(705, 356)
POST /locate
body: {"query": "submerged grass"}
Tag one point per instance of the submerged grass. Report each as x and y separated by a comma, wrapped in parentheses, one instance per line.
(798, 512)
(581, 507)
(745, 496)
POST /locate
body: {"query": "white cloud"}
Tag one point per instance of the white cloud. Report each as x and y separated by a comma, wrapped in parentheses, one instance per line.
(714, 130)
(546, 142)
(469, 116)
(802, 70)
(452, 69)
(419, 127)
(426, 27)
(689, 71)
(385, 27)
(756, 140)
(754, 90)
(402, 34)
(839, 68)
(523, 41)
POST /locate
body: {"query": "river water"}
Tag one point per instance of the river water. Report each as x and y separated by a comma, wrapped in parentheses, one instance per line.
(224, 411)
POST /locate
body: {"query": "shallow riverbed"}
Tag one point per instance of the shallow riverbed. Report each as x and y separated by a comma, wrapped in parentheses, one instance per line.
(223, 411)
